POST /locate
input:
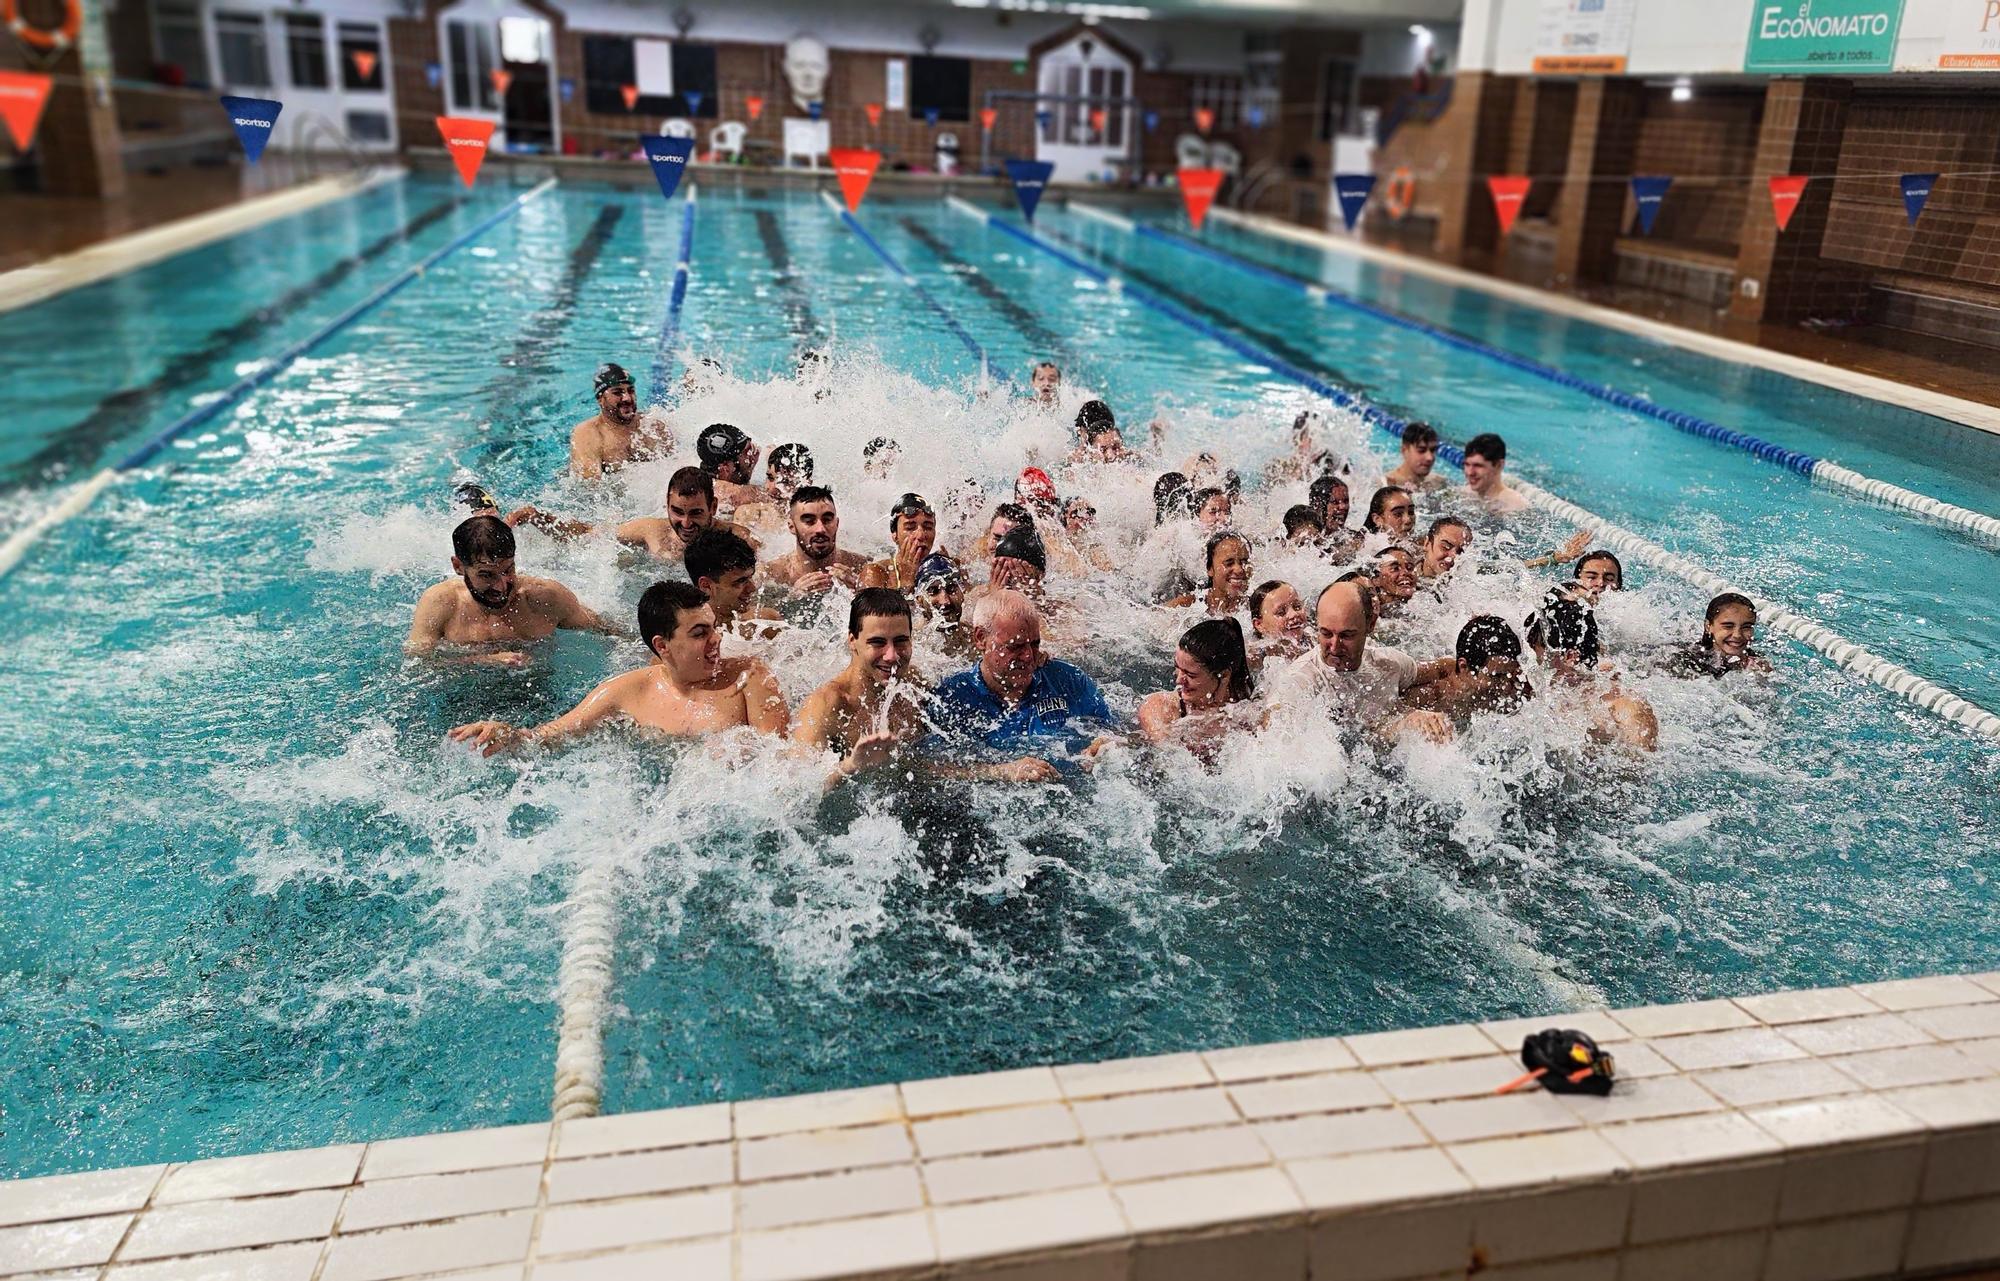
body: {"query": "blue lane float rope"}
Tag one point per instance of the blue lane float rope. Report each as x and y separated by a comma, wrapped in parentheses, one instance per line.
(1900, 681)
(903, 273)
(663, 362)
(80, 498)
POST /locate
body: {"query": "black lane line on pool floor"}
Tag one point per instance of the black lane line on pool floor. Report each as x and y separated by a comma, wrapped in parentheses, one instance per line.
(1045, 341)
(1272, 341)
(81, 445)
(797, 304)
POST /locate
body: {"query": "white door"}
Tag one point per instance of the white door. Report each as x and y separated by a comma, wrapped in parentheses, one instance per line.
(1073, 85)
(477, 39)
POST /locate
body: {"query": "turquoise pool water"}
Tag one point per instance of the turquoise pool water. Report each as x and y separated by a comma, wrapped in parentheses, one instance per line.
(253, 901)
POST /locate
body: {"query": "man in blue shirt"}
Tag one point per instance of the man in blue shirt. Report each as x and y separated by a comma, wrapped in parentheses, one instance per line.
(1018, 699)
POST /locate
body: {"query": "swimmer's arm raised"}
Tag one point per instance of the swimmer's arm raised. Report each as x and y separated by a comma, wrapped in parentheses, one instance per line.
(549, 523)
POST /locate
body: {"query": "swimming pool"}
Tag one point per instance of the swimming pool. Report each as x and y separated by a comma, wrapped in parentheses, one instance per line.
(254, 902)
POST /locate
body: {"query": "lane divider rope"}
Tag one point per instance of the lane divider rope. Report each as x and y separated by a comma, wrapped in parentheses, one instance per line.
(663, 362)
(79, 499)
(902, 273)
(583, 990)
(1819, 469)
(1899, 681)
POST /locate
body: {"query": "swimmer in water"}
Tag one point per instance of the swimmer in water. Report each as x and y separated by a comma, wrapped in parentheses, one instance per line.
(615, 436)
(913, 528)
(1486, 675)
(1020, 563)
(1600, 572)
(1212, 510)
(1392, 512)
(1443, 544)
(1006, 518)
(1729, 628)
(1079, 522)
(1278, 623)
(1170, 497)
(1018, 699)
(871, 709)
(688, 689)
(879, 458)
(723, 565)
(1394, 579)
(1356, 682)
(1035, 491)
(818, 562)
(1486, 479)
(941, 597)
(1046, 380)
(490, 606)
(1211, 674)
(729, 456)
(789, 467)
(690, 512)
(1228, 559)
(1419, 457)
(1306, 457)
(1563, 635)
(1329, 499)
(1302, 525)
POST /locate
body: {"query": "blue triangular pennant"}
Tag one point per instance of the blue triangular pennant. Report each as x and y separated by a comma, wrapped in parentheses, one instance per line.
(813, 109)
(567, 87)
(1353, 189)
(1650, 193)
(1029, 178)
(1045, 118)
(669, 158)
(1151, 120)
(931, 116)
(1255, 116)
(1916, 190)
(433, 74)
(693, 97)
(253, 120)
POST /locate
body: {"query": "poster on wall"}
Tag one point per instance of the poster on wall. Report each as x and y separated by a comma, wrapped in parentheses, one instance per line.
(895, 82)
(1834, 36)
(1583, 37)
(1971, 37)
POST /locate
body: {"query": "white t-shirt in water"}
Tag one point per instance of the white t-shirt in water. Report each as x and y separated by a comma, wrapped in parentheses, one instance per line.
(1367, 695)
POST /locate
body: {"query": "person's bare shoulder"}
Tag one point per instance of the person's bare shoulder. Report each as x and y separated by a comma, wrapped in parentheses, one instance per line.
(853, 560)
(441, 595)
(547, 595)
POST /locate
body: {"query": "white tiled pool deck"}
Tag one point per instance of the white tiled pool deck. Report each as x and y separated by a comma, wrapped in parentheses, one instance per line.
(1850, 1132)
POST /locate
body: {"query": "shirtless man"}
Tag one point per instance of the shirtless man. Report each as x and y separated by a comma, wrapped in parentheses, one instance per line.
(864, 714)
(615, 436)
(729, 456)
(1046, 379)
(941, 596)
(1420, 455)
(818, 563)
(687, 691)
(724, 566)
(488, 604)
(1486, 676)
(690, 512)
(913, 526)
(1485, 476)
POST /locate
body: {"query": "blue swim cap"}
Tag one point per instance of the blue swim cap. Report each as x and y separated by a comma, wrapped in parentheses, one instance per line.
(935, 566)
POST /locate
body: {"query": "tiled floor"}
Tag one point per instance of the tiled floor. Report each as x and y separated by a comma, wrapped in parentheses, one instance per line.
(1852, 1133)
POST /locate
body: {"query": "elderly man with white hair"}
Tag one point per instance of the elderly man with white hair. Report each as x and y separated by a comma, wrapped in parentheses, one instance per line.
(1018, 699)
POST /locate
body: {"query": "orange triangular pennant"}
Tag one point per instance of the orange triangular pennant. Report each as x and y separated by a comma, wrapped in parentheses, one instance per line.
(856, 169)
(987, 115)
(631, 95)
(466, 141)
(501, 79)
(22, 97)
(364, 63)
(1786, 192)
(1198, 188)
(1204, 118)
(1509, 193)
(874, 110)
(755, 105)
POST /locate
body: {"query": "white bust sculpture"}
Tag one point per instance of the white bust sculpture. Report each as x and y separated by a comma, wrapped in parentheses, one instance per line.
(806, 66)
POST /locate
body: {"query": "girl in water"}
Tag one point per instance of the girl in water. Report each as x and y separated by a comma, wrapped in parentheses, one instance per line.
(1228, 560)
(1563, 634)
(1278, 619)
(1392, 511)
(1211, 674)
(1728, 629)
(1599, 572)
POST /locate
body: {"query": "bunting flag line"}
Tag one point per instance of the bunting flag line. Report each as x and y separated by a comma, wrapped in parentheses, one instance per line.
(1916, 190)
(874, 110)
(1151, 120)
(1650, 193)
(1353, 190)
(815, 109)
(855, 168)
(1786, 190)
(253, 119)
(22, 97)
(1204, 118)
(501, 79)
(433, 74)
(1029, 177)
(1045, 118)
(1255, 116)
(669, 158)
(755, 105)
(364, 63)
(1198, 188)
(567, 88)
(631, 95)
(693, 97)
(931, 116)
(1097, 118)
(466, 140)
(987, 117)
(1509, 192)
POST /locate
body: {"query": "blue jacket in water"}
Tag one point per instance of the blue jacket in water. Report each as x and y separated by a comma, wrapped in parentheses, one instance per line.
(1045, 722)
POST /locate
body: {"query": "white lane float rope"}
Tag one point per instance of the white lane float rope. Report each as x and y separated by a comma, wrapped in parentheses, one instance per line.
(1844, 653)
(78, 499)
(583, 990)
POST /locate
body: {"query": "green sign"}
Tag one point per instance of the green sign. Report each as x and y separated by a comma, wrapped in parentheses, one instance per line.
(1835, 36)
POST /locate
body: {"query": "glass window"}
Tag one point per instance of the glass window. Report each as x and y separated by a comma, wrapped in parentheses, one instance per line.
(177, 39)
(305, 50)
(239, 41)
(365, 40)
(521, 39)
(1336, 98)
(469, 48)
(367, 126)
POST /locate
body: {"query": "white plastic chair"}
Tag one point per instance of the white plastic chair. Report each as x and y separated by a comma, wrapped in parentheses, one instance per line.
(1191, 151)
(807, 139)
(726, 139)
(677, 128)
(947, 153)
(1224, 157)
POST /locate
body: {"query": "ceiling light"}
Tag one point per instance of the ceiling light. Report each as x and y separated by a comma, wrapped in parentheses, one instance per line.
(1683, 90)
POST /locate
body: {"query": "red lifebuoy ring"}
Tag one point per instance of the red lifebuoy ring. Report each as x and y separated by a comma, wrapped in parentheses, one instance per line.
(41, 37)
(1400, 192)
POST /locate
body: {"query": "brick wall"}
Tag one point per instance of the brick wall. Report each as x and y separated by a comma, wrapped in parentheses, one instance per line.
(1958, 238)
(1708, 146)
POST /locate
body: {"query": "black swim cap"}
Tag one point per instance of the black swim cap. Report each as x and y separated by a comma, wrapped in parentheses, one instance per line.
(719, 443)
(476, 496)
(1023, 543)
(609, 375)
(793, 458)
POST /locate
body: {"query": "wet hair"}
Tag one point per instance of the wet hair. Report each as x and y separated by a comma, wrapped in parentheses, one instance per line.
(875, 447)
(876, 602)
(1617, 566)
(1566, 623)
(1401, 549)
(793, 458)
(1443, 523)
(908, 505)
(1485, 638)
(810, 494)
(1258, 595)
(1375, 505)
(661, 607)
(1215, 542)
(1298, 517)
(1715, 607)
(1047, 364)
(1199, 499)
(482, 538)
(715, 552)
(691, 482)
(1487, 446)
(1095, 416)
(1323, 490)
(1232, 484)
(1302, 425)
(1015, 512)
(1170, 494)
(1419, 434)
(1217, 644)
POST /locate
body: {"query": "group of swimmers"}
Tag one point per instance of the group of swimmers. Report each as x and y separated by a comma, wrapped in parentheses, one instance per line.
(1016, 712)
